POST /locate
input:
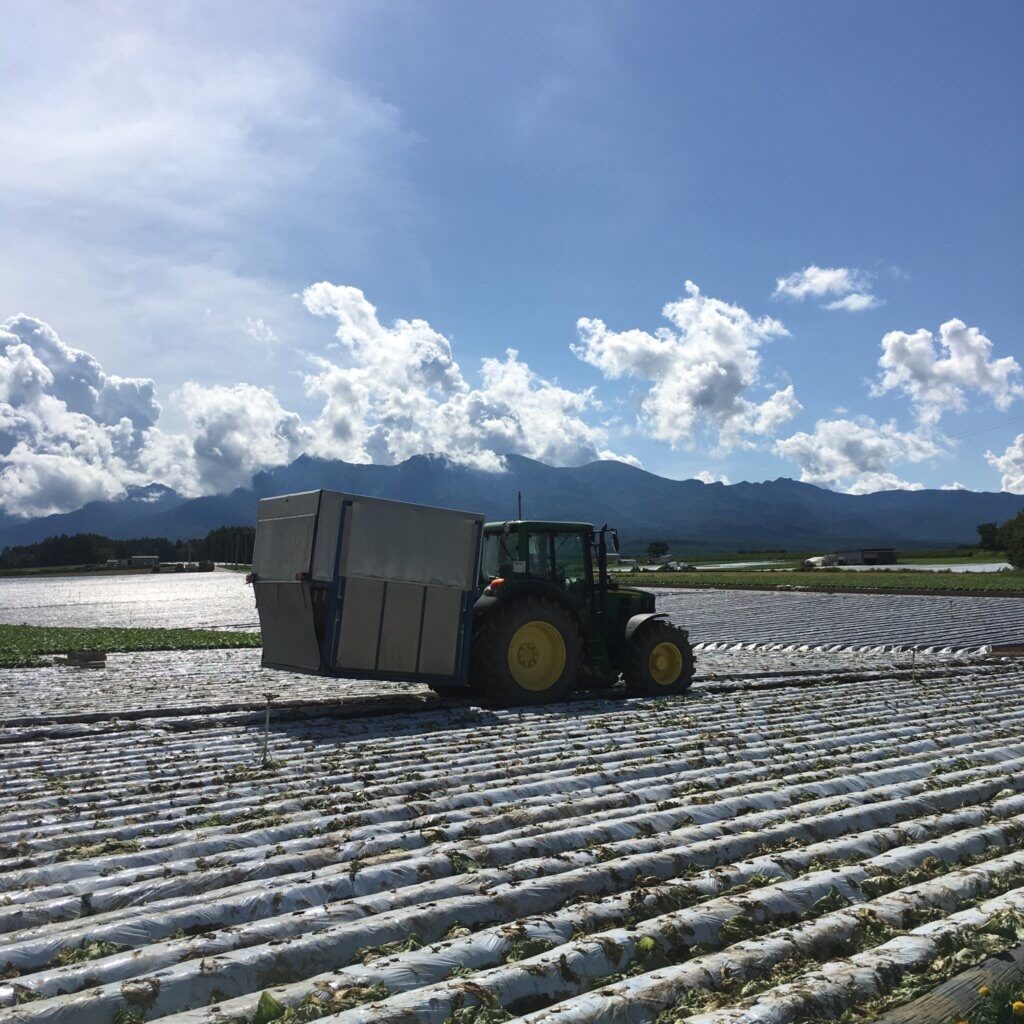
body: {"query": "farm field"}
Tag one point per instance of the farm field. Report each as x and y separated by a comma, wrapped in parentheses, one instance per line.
(172, 600)
(947, 556)
(963, 565)
(70, 570)
(955, 582)
(789, 848)
(978, 555)
(32, 645)
(817, 621)
(830, 826)
(150, 684)
(221, 600)
(170, 682)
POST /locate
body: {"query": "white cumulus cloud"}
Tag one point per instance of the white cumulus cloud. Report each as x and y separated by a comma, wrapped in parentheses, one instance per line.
(855, 302)
(937, 378)
(705, 476)
(396, 391)
(856, 456)
(1011, 465)
(938, 375)
(77, 379)
(71, 433)
(236, 431)
(702, 370)
(852, 287)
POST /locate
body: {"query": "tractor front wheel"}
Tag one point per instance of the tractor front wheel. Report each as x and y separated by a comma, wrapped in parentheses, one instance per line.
(527, 652)
(659, 661)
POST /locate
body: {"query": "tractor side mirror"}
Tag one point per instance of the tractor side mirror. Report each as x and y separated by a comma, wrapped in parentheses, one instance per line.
(615, 540)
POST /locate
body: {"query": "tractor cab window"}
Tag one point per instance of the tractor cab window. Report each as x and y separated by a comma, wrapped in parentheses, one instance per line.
(570, 561)
(557, 557)
(541, 563)
(498, 555)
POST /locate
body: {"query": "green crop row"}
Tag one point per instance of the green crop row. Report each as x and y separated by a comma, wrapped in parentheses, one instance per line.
(26, 645)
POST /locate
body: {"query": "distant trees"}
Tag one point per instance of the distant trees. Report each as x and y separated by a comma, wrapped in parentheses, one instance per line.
(657, 548)
(225, 544)
(988, 534)
(1008, 537)
(228, 544)
(1011, 533)
(61, 550)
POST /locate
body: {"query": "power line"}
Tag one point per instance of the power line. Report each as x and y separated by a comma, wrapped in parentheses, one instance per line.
(991, 426)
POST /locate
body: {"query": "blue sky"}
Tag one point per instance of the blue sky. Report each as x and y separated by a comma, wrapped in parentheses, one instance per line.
(174, 182)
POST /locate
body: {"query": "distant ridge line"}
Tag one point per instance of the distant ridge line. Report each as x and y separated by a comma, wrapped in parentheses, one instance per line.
(688, 514)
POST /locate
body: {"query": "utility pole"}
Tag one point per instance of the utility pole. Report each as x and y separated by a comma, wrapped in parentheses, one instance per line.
(519, 505)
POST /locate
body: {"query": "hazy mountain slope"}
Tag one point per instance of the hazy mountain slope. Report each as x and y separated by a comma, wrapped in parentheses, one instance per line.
(109, 518)
(777, 513)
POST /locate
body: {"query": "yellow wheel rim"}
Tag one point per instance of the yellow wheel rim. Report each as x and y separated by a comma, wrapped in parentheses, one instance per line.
(536, 655)
(666, 663)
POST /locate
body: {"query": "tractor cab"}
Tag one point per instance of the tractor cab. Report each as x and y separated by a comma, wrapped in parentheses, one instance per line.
(562, 555)
(566, 565)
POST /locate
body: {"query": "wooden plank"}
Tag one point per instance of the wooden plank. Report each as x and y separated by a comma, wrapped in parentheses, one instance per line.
(954, 999)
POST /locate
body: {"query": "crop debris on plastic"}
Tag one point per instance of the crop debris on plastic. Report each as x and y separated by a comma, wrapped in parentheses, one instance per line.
(809, 834)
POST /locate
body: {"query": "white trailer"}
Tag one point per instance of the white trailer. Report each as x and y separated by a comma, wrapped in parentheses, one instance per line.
(366, 588)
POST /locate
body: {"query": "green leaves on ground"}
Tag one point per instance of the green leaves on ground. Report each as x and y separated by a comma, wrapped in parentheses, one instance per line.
(324, 1002)
(26, 645)
(268, 1009)
(406, 945)
(88, 949)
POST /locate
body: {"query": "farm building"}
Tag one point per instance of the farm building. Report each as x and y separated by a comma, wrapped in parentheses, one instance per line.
(618, 564)
(866, 556)
(140, 561)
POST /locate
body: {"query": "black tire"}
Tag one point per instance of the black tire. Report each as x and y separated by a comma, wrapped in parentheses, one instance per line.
(542, 631)
(646, 652)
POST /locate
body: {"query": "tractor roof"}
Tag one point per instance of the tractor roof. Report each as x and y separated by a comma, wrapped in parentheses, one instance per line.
(540, 526)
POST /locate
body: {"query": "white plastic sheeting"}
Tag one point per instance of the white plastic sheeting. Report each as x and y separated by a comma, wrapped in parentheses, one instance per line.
(581, 830)
(864, 974)
(864, 621)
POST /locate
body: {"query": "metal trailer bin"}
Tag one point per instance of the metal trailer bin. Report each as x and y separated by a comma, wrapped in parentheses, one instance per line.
(366, 588)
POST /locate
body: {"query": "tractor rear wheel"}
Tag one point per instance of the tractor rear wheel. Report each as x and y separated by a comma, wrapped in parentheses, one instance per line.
(527, 652)
(659, 660)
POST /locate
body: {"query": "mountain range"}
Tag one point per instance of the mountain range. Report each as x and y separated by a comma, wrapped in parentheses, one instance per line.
(689, 514)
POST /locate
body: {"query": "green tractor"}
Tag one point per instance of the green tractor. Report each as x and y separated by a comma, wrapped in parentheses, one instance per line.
(521, 612)
(549, 620)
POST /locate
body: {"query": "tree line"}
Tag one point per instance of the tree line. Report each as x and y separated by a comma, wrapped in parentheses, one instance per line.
(225, 544)
(235, 544)
(1008, 537)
